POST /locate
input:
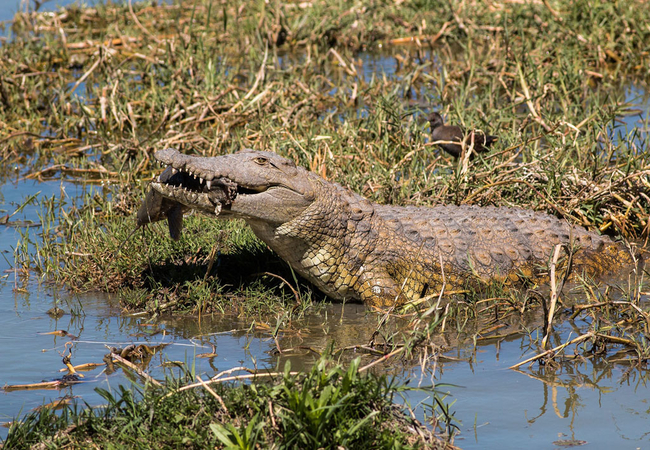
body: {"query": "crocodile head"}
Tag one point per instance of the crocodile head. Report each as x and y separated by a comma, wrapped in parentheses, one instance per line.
(253, 185)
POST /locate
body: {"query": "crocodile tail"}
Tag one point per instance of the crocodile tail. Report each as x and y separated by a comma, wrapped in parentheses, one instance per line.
(615, 259)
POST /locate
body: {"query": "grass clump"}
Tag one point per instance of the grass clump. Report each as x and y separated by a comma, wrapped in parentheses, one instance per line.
(327, 407)
(210, 269)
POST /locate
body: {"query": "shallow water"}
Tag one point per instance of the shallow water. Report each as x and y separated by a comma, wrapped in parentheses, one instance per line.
(496, 407)
(8, 8)
(503, 408)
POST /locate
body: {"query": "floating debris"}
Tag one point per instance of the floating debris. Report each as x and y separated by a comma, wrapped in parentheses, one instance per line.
(72, 377)
(211, 354)
(62, 333)
(55, 312)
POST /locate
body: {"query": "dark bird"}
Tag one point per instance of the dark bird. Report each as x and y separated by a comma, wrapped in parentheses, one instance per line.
(452, 133)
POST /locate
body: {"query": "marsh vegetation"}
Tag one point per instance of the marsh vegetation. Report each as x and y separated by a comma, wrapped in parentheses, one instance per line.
(87, 94)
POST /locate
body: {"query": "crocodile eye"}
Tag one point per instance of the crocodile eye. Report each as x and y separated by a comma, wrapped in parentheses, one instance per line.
(261, 160)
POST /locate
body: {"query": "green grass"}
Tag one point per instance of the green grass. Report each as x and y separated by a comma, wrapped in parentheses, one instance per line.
(214, 267)
(327, 407)
(549, 82)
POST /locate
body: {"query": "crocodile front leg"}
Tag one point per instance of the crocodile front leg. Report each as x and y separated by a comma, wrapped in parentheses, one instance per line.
(379, 290)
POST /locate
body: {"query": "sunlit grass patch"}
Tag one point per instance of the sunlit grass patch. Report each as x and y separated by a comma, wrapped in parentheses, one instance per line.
(328, 406)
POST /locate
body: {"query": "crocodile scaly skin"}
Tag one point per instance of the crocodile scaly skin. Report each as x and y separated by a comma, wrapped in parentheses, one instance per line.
(351, 248)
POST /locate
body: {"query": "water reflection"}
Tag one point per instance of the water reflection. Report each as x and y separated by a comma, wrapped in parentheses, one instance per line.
(31, 356)
(591, 398)
(632, 127)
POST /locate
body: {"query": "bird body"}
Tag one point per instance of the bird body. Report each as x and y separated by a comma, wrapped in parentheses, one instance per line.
(449, 134)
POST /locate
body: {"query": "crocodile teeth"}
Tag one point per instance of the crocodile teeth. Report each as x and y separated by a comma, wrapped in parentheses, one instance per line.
(208, 183)
(217, 209)
(174, 171)
(158, 179)
(201, 180)
(190, 172)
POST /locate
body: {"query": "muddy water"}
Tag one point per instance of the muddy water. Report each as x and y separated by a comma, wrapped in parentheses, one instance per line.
(28, 355)
(496, 407)
(594, 401)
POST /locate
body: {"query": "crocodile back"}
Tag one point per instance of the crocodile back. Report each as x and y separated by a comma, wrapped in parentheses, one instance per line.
(385, 255)
(495, 241)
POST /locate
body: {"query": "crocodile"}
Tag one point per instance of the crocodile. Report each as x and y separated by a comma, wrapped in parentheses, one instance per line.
(157, 207)
(353, 249)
